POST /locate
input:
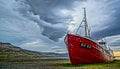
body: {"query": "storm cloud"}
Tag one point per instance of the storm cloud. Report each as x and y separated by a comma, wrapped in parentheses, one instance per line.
(112, 24)
(41, 24)
(52, 19)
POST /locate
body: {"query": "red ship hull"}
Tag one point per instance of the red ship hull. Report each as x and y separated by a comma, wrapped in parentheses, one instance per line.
(90, 52)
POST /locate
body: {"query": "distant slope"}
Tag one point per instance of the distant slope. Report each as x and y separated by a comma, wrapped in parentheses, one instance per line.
(9, 51)
(7, 47)
(117, 55)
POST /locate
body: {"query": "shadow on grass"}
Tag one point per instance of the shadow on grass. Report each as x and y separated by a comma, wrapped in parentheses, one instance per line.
(115, 63)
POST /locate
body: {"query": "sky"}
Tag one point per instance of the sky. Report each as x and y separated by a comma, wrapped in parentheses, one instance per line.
(41, 25)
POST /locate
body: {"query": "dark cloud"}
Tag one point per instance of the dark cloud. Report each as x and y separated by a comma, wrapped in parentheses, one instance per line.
(39, 23)
(113, 27)
(49, 12)
(49, 15)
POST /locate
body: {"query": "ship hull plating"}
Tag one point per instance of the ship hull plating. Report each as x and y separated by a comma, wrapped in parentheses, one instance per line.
(83, 50)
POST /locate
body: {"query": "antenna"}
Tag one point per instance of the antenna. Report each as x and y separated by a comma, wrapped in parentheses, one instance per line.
(87, 31)
(85, 21)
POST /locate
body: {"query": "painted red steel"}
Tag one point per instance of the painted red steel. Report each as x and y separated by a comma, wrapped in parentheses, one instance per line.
(82, 55)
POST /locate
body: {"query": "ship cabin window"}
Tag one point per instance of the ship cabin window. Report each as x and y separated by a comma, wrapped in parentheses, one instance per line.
(103, 43)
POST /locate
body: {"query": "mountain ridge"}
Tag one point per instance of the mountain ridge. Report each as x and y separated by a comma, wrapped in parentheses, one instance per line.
(11, 49)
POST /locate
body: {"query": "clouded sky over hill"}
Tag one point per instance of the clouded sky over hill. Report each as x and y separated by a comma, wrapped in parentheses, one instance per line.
(41, 25)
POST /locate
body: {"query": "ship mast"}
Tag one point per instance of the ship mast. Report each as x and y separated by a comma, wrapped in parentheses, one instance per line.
(87, 31)
(85, 21)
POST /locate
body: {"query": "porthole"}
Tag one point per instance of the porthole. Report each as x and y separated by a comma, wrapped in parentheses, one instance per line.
(85, 45)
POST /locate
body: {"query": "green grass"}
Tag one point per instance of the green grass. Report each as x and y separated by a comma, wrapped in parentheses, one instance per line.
(29, 61)
(56, 64)
(114, 64)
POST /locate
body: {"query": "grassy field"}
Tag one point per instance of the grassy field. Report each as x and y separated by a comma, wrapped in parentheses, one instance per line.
(55, 64)
(111, 65)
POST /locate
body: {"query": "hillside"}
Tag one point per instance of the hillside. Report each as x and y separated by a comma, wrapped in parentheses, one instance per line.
(9, 51)
(12, 57)
(117, 55)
